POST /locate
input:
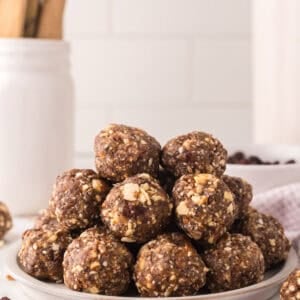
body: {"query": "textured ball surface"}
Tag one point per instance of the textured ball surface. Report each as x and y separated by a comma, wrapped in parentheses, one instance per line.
(137, 209)
(169, 266)
(205, 207)
(97, 263)
(123, 151)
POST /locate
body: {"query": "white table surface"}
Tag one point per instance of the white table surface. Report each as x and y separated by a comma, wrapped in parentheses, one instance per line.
(12, 289)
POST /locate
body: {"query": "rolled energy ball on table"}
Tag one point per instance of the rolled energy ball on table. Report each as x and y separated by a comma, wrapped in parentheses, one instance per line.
(5, 220)
(97, 263)
(42, 251)
(122, 151)
(269, 235)
(290, 289)
(234, 262)
(195, 152)
(204, 207)
(242, 191)
(137, 209)
(169, 266)
(76, 198)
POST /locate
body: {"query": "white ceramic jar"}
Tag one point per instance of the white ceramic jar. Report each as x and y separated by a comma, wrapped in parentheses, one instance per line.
(36, 120)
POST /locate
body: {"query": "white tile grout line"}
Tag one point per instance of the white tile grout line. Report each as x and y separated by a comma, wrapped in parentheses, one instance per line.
(163, 104)
(110, 27)
(159, 36)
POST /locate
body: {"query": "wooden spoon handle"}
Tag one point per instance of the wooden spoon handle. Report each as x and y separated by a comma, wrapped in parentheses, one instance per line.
(32, 15)
(51, 20)
(12, 17)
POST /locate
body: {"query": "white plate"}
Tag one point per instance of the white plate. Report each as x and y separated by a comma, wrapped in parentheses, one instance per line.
(40, 290)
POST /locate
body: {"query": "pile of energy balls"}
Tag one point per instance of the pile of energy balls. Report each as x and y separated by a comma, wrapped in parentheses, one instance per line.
(164, 220)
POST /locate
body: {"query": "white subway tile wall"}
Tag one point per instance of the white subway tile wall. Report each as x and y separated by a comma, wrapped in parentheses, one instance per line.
(169, 66)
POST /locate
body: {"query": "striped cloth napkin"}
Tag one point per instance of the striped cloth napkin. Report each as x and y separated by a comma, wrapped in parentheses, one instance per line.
(283, 203)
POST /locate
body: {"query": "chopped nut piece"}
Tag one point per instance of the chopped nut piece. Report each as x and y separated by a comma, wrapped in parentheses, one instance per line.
(10, 278)
(182, 209)
(131, 191)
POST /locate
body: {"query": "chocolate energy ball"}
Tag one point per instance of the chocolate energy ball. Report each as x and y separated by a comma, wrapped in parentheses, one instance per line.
(290, 289)
(122, 151)
(5, 220)
(97, 263)
(195, 152)
(42, 251)
(205, 207)
(169, 266)
(269, 235)
(137, 209)
(242, 191)
(76, 198)
(234, 262)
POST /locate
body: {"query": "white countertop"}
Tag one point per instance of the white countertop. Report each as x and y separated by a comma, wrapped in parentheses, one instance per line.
(12, 289)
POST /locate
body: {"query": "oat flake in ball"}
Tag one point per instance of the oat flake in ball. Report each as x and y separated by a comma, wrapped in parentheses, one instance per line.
(269, 235)
(169, 266)
(97, 263)
(234, 262)
(137, 209)
(195, 152)
(290, 289)
(5, 220)
(122, 151)
(242, 191)
(205, 207)
(76, 198)
(42, 251)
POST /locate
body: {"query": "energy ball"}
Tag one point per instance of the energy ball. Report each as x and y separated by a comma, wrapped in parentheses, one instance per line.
(5, 220)
(97, 263)
(290, 289)
(205, 207)
(268, 234)
(195, 152)
(122, 151)
(242, 191)
(137, 209)
(169, 266)
(42, 251)
(76, 198)
(234, 262)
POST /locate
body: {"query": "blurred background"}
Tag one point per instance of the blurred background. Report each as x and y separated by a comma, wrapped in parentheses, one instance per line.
(171, 66)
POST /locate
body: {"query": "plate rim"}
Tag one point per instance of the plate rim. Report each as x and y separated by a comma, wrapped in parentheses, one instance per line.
(31, 282)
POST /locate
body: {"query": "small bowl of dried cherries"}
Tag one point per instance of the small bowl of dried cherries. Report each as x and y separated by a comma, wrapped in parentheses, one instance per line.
(265, 166)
